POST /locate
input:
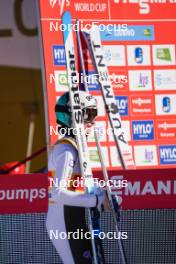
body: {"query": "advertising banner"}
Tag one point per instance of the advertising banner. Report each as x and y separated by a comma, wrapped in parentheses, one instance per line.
(139, 42)
(141, 189)
(23, 193)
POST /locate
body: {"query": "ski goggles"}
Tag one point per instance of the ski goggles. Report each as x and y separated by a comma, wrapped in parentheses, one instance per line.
(89, 114)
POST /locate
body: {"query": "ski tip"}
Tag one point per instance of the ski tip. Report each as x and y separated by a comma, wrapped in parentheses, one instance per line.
(66, 20)
(66, 17)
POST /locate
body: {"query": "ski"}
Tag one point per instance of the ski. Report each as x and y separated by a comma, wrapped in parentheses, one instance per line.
(112, 201)
(93, 42)
(93, 213)
(114, 207)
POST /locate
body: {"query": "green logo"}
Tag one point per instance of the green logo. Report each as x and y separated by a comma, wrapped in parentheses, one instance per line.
(63, 79)
(147, 32)
(93, 154)
(163, 54)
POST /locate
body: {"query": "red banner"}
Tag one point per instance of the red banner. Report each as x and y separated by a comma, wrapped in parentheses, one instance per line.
(23, 193)
(145, 189)
(138, 38)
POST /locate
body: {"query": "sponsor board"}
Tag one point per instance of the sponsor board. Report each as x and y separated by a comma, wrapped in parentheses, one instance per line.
(167, 154)
(165, 104)
(100, 127)
(23, 193)
(135, 74)
(165, 79)
(146, 189)
(126, 129)
(92, 6)
(140, 80)
(94, 157)
(131, 33)
(92, 81)
(143, 130)
(58, 55)
(100, 106)
(141, 105)
(79, 8)
(138, 55)
(119, 79)
(61, 81)
(115, 160)
(163, 54)
(145, 155)
(122, 105)
(114, 55)
(166, 129)
(149, 9)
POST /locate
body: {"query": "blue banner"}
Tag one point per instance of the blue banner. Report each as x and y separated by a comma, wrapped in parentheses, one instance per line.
(132, 33)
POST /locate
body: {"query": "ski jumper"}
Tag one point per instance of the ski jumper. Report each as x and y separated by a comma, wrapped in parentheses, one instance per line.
(66, 211)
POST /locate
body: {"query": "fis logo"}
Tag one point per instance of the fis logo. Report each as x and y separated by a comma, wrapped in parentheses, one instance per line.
(166, 104)
(167, 154)
(138, 54)
(59, 55)
(60, 3)
(143, 130)
(122, 105)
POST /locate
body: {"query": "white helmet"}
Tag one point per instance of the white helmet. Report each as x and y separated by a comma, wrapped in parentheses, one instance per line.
(88, 106)
(87, 100)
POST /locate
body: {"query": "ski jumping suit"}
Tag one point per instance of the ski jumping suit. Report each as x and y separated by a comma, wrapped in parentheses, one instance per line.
(66, 212)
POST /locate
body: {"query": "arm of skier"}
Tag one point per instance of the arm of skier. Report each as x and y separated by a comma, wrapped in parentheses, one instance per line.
(64, 169)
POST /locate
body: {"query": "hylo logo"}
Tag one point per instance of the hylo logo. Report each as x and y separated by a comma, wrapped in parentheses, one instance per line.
(122, 104)
(143, 130)
(59, 55)
(167, 154)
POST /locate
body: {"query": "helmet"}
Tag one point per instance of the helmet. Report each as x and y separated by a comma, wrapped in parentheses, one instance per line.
(88, 105)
